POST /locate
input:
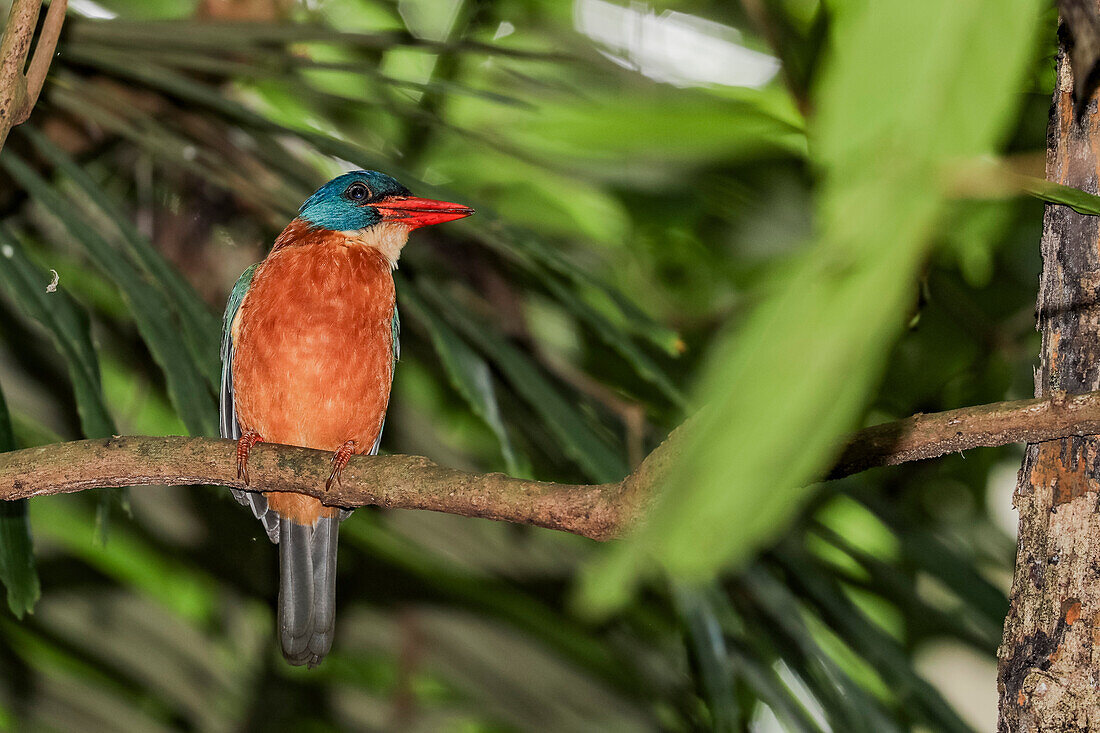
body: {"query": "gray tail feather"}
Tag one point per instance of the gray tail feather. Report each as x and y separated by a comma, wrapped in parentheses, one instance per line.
(307, 589)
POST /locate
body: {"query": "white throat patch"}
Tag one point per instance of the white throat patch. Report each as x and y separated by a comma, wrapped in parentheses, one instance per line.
(388, 237)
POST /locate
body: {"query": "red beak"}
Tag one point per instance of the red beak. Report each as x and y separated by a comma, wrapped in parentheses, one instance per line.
(415, 213)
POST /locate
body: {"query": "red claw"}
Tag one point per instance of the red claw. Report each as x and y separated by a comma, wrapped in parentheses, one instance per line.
(244, 447)
(340, 459)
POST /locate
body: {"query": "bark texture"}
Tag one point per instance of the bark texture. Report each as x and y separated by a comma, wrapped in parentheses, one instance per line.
(410, 482)
(406, 482)
(1049, 660)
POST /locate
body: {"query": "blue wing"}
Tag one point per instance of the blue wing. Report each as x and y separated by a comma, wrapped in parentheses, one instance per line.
(395, 331)
(227, 410)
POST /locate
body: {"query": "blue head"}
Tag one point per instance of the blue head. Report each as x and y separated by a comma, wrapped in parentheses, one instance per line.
(361, 199)
(344, 203)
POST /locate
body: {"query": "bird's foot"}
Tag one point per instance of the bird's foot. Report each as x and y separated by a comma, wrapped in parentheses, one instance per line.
(244, 447)
(340, 459)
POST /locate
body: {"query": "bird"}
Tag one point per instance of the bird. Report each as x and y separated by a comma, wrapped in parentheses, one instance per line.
(310, 340)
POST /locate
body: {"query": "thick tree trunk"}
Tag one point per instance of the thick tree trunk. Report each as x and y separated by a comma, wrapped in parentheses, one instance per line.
(1049, 675)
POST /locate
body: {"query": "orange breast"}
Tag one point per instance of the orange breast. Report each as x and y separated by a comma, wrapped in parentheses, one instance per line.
(313, 342)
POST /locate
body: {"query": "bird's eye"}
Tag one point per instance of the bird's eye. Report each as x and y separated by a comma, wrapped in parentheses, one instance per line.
(357, 192)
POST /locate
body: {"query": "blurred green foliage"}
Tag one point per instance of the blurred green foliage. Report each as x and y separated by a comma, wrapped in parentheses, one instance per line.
(804, 362)
(653, 237)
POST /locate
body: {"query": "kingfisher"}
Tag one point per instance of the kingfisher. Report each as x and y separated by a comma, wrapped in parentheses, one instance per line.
(309, 346)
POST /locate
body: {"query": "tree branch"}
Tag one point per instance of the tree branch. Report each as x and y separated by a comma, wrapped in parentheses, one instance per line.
(405, 482)
(18, 90)
(43, 57)
(601, 511)
(922, 436)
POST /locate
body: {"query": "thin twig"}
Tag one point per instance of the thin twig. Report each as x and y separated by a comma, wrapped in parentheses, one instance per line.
(985, 426)
(14, 47)
(43, 56)
(18, 90)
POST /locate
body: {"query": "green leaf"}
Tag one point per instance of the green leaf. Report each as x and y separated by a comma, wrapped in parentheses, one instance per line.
(470, 376)
(68, 326)
(889, 582)
(846, 692)
(783, 386)
(7, 433)
(579, 441)
(543, 260)
(665, 126)
(157, 139)
(708, 647)
(880, 649)
(131, 560)
(222, 35)
(954, 567)
(70, 330)
(201, 328)
(17, 570)
(618, 340)
(189, 391)
(770, 688)
(1055, 193)
(179, 85)
(497, 598)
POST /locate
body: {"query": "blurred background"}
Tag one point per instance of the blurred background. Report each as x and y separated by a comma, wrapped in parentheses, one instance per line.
(649, 181)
